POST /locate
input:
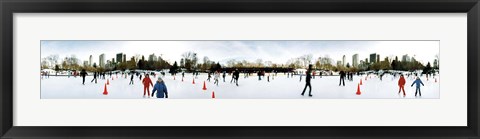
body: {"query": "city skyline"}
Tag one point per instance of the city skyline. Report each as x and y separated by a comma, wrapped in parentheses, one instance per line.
(222, 51)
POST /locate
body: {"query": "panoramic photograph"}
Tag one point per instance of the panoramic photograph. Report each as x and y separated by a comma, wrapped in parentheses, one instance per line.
(239, 69)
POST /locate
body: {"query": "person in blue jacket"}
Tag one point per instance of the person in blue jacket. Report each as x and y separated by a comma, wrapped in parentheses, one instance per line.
(161, 89)
(417, 82)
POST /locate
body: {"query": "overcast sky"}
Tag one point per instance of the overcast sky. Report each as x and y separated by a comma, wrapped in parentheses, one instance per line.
(222, 51)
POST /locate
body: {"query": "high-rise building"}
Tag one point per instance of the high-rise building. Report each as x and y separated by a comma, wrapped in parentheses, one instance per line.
(344, 60)
(405, 58)
(373, 58)
(378, 58)
(355, 60)
(152, 57)
(101, 60)
(435, 63)
(85, 63)
(113, 60)
(339, 63)
(90, 60)
(362, 64)
(120, 58)
(124, 58)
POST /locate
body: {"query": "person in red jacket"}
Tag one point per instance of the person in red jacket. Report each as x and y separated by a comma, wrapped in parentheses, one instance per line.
(146, 85)
(401, 84)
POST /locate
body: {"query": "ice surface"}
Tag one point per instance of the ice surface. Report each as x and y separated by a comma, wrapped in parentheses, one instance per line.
(281, 87)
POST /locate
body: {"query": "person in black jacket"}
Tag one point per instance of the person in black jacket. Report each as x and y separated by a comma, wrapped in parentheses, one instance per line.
(131, 80)
(307, 81)
(83, 74)
(342, 78)
(94, 77)
(236, 74)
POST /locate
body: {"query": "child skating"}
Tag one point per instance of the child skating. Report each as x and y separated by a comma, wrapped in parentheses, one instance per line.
(146, 85)
(401, 85)
(417, 82)
(160, 88)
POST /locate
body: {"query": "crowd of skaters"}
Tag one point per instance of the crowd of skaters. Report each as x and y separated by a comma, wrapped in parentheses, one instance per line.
(162, 92)
(349, 75)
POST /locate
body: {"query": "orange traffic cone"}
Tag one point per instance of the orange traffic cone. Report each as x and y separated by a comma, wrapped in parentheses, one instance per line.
(105, 92)
(213, 94)
(193, 81)
(358, 90)
(360, 81)
(108, 83)
(204, 86)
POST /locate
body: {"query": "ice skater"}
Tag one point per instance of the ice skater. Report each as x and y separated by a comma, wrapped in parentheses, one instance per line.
(300, 77)
(233, 77)
(307, 82)
(131, 80)
(160, 88)
(268, 77)
(259, 75)
(342, 78)
(224, 75)
(83, 74)
(236, 74)
(140, 76)
(417, 82)
(209, 76)
(215, 77)
(401, 85)
(94, 77)
(146, 85)
(313, 74)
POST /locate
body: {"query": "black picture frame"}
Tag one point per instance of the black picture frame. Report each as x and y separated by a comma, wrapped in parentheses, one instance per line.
(9, 7)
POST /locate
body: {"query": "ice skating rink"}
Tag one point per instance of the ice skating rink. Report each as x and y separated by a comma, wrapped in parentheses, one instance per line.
(280, 87)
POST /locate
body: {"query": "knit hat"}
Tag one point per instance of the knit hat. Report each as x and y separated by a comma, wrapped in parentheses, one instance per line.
(159, 79)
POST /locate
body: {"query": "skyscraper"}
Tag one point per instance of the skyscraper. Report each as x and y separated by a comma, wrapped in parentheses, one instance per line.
(124, 58)
(355, 60)
(119, 58)
(101, 60)
(152, 57)
(405, 58)
(344, 60)
(373, 58)
(85, 63)
(90, 61)
(378, 58)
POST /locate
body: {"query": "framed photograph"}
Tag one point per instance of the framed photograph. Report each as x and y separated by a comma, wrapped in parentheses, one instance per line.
(239, 69)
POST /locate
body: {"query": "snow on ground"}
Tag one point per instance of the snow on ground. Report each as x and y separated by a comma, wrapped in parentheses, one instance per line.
(281, 87)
